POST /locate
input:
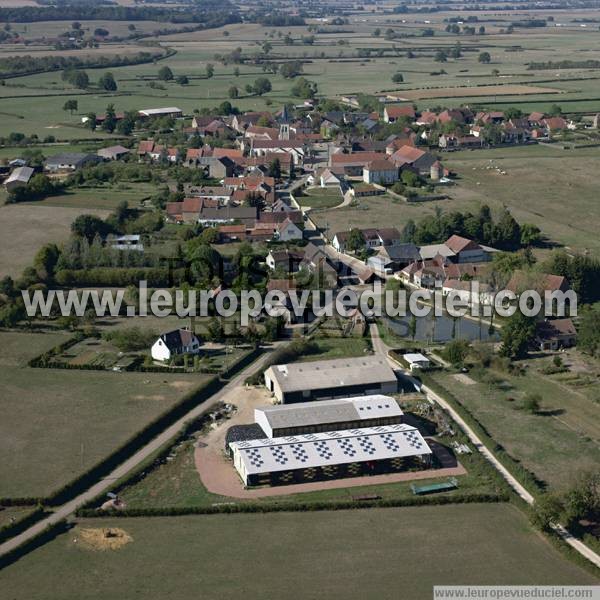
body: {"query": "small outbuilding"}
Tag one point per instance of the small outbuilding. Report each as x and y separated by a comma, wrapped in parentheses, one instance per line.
(18, 178)
(417, 361)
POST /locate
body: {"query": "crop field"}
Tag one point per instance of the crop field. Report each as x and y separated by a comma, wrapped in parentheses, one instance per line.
(68, 421)
(333, 62)
(493, 545)
(557, 444)
(25, 228)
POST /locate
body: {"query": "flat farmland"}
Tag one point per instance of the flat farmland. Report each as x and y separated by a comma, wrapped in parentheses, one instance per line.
(99, 198)
(414, 548)
(51, 29)
(58, 423)
(333, 62)
(24, 228)
(555, 189)
(485, 90)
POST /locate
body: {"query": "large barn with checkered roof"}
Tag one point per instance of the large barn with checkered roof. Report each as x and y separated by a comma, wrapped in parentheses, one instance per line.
(330, 455)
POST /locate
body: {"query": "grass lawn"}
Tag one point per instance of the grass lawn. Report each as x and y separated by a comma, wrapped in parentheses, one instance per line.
(556, 444)
(58, 423)
(338, 347)
(318, 197)
(8, 513)
(25, 228)
(342, 554)
(99, 198)
(559, 185)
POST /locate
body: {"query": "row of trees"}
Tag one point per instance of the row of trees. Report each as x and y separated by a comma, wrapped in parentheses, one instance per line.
(503, 233)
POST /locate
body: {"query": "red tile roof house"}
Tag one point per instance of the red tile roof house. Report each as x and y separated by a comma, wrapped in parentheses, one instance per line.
(555, 334)
(232, 233)
(354, 163)
(282, 285)
(543, 282)
(265, 186)
(391, 114)
(145, 147)
(262, 133)
(427, 118)
(555, 124)
(415, 158)
(466, 250)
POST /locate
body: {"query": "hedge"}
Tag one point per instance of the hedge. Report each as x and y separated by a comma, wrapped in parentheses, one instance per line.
(22, 524)
(267, 507)
(525, 477)
(46, 535)
(137, 441)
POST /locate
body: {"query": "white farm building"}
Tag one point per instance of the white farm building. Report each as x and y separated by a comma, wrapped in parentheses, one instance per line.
(330, 455)
(328, 415)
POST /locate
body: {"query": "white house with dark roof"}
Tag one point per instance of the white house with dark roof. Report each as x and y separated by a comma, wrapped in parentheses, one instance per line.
(178, 341)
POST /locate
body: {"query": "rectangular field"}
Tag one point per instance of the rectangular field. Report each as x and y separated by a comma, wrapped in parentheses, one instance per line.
(58, 423)
(25, 228)
(474, 91)
(556, 445)
(336, 555)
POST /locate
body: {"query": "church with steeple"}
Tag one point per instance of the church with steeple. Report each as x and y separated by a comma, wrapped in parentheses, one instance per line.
(284, 124)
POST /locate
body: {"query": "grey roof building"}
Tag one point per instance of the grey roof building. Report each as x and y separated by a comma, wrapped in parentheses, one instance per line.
(70, 161)
(328, 415)
(328, 379)
(113, 152)
(18, 178)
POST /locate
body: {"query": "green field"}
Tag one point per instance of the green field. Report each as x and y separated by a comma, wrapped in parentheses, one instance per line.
(25, 228)
(59, 423)
(557, 444)
(99, 198)
(346, 554)
(318, 197)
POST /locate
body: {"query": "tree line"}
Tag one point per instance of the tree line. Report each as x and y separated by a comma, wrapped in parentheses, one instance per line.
(503, 233)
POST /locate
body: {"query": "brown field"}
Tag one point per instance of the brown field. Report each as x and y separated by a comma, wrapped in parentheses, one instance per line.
(24, 229)
(484, 90)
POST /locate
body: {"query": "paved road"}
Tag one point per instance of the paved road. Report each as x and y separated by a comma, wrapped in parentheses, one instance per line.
(381, 348)
(66, 510)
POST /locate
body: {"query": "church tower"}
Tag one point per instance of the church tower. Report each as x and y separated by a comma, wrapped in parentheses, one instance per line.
(284, 124)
